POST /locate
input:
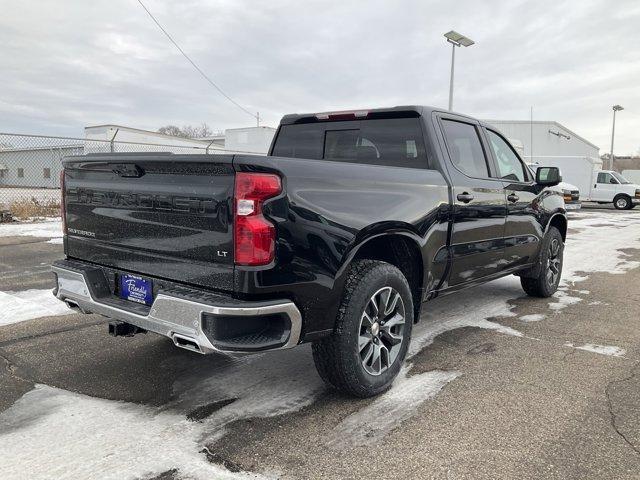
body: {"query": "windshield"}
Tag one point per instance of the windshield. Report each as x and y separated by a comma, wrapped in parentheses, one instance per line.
(620, 178)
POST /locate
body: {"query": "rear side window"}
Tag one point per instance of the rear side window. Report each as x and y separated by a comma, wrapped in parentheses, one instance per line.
(465, 148)
(393, 142)
(300, 141)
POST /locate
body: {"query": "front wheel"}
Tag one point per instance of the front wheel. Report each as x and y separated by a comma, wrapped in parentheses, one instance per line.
(545, 283)
(373, 329)
(622, 202)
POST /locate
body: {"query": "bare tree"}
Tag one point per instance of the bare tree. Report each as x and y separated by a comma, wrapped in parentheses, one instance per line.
(187, 131)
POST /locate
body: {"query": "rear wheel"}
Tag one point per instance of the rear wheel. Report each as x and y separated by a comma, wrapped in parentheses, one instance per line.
(622, 202)
(373, 329)
(546, 282)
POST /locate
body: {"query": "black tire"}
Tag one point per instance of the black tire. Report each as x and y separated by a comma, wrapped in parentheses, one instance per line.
(339, 357)
(546, 281)
(622, 202)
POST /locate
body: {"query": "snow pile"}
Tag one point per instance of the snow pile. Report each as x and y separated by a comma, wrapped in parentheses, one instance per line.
(596, 248)
(51, 433)
(50, 228)
(28, 304)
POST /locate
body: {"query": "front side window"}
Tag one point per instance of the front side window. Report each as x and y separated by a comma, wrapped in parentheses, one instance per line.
(20, 172)
(465, 148)
(604, 177)
(46, 172)
(509, 165)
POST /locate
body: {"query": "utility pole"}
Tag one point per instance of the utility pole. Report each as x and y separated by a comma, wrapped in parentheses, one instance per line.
(258, 118)
(616, 108)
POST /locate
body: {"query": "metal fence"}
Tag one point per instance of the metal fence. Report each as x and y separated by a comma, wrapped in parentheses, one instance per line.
(30, 168)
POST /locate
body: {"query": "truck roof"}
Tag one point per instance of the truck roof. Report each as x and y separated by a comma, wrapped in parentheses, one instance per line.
(389, 112)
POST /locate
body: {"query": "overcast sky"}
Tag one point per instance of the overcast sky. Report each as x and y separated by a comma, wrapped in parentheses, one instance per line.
(66, 64)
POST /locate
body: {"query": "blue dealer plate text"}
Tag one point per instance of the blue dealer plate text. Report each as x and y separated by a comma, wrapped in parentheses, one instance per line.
(136, 289)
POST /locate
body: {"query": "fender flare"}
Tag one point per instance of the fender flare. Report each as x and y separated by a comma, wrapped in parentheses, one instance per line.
(562, 214)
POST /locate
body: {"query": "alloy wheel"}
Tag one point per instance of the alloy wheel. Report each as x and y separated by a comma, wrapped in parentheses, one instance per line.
(381, 331)
(554, 262)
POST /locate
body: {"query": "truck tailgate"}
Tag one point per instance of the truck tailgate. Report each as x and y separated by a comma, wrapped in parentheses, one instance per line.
(156, 214)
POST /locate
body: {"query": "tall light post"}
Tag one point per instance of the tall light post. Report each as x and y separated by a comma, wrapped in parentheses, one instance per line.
(616, 108)
(456, 40)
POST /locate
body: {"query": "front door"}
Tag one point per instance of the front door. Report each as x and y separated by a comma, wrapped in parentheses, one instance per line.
(477, 243)
(523, 230)
(604, 188)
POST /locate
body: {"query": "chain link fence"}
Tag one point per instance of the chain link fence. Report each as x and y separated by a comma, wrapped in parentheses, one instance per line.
(30, 167)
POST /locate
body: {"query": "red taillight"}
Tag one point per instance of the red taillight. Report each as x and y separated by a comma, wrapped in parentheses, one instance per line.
(63, 208)
(254, 236)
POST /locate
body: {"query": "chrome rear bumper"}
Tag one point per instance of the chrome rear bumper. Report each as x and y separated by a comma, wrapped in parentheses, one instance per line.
(180, 319)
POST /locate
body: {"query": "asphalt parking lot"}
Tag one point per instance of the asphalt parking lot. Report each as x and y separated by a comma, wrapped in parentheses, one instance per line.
(498, 385)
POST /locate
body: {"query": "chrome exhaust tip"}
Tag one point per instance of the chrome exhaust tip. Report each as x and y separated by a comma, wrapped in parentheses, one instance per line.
(188, 343)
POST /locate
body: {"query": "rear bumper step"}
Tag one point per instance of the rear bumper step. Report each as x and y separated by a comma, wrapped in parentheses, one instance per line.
(205, 324)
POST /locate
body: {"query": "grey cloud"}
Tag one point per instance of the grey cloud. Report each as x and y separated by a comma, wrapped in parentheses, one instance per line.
(66, 64)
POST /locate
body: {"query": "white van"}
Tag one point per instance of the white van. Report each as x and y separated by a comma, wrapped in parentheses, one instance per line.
(595, 184)
(611, 187)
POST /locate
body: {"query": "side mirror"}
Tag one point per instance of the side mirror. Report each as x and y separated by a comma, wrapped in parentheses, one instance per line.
(548, 176)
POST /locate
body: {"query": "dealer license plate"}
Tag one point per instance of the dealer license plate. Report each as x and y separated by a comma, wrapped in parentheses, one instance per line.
(136, 289)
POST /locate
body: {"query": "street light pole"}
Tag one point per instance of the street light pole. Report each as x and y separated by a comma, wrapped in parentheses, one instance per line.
(616, 108)
(453, 61)
(456, 40)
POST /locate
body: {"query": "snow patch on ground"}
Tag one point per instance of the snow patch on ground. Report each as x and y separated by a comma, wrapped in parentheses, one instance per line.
(52, 433)
(563, 300)
(28, 304)
(264, 385)
(368, 425)
(610, 350)
(472, 308)
(55, 241)
(596, 248)
(49, 228)
(535, 317)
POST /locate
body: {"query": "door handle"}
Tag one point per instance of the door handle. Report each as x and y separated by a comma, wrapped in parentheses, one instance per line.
(465, 197)
(513, 198)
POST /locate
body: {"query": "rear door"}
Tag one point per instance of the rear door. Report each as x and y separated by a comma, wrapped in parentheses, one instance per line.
(523, 230)
(605, 187)
(477, 237)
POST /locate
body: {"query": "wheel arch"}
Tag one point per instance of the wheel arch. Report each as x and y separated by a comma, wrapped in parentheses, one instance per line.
(559, 220)
(401, 248)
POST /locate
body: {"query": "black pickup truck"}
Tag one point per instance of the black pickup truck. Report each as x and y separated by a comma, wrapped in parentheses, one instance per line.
(338, 237)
